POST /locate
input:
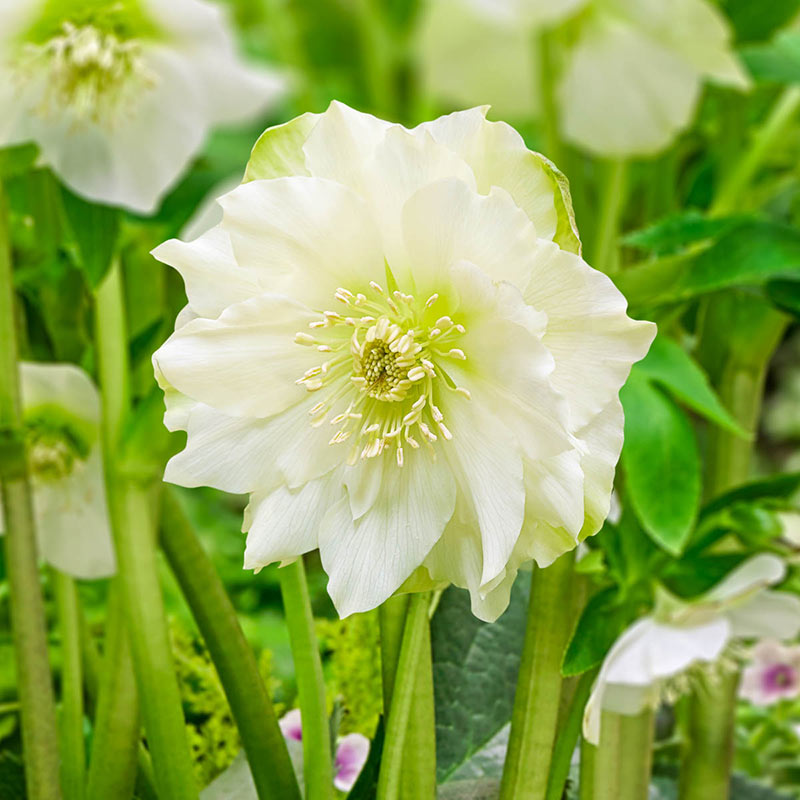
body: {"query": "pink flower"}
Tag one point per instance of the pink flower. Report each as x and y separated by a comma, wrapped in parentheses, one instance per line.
(351, 750)
(774, 673)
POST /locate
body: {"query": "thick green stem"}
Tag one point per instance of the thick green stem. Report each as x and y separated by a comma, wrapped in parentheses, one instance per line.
(612, 199)
(403, 695)
(378, 56)
(619, 768)
(708, 755)
(544, 48)
(765, 139)
(134, 540)
(232, 655)
(73, 756)
(418, 777)
(534, 722)
(112, 764)
(317, 764)
(39, 737)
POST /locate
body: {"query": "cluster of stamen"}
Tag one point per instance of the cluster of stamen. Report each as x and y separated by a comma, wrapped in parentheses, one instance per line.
(383, 373)
(91, 72)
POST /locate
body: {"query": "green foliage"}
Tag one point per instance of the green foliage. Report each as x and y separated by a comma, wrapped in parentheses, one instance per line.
(778, 61)
(475, 667)
(661, 462)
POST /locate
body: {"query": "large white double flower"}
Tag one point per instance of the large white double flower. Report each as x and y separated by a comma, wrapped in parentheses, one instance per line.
(120, 94)
(627, 73)
(392, 345)
(658, 649)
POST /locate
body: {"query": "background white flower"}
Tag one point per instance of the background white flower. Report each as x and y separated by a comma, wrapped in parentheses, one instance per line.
(120, 94)
(61, 413)
(661, 647)
(629, 72)
(393, 347)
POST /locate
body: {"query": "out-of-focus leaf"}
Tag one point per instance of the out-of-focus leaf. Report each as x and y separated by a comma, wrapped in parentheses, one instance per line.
(754, 22)
(17, 159)
(95, 229)
(668, 364)
(689, 577)
(785, 295)
(778, 60)
(681, 229)
(470, 789)
(602, 621)
(777, 486)
(475, 668)
(661, 462)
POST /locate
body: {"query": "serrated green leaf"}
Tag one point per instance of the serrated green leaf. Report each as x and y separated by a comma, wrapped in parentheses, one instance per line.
(661, 462)
(669, 365)
(475, 668)
(95, 229)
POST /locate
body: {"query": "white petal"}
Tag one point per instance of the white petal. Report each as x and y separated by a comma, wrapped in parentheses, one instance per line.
(244, 363)
(499, 157)
(624, 94)
(210, 273)
(72, 524)
(305, 236)
(592, 339)
(756, 573)
(284, 523)
(62, 385)
(775, 614)
(341, 143)
(239, 454)
(367, 560)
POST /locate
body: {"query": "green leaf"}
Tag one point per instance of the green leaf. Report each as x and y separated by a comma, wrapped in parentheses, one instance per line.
(778, 61)
(753, 21)
(662, 464)
(17, 159)
(95, 229)
(669, 365)
(475, 668)
(778, 487)
(602, 621)
(472, 789)
(678, 230)
(749, 255)
(785, 295)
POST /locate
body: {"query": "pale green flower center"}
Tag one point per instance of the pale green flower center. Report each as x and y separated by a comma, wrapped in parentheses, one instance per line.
(384, 371)
(56, 442)
(92, 73)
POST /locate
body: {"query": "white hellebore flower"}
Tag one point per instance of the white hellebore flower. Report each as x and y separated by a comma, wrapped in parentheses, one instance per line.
(120, 94)
(660, 648)
(61, 416)
(628, 72)
(392, 345)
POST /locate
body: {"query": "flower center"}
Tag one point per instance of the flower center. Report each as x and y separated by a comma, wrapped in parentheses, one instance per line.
(55, 442)
(88, 71)
(385, 371)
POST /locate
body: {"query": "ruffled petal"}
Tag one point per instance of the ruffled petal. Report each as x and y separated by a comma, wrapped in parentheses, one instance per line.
(306, 236)
(246, 362)
(368, 559)
(747, 579)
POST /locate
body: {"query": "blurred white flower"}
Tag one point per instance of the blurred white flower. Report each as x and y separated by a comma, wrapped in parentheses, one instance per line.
(61, 414)
(120, 94)
(773, 673)
(351, 751)
(629, 71)
(386, 346)
(657, 650)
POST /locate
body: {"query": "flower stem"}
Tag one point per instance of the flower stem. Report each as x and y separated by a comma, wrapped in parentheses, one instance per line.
(317, 764)
(112, 762)
(534, 721)
(403, 694)
(378, 56)
(620, 766)
(232, 656)
(418, 775)
(73, 758)
(764, 141)
(39, 737)
(705, 772)
(134, 540)
(612, 199)
(547, 81)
